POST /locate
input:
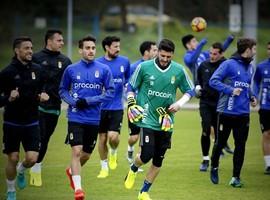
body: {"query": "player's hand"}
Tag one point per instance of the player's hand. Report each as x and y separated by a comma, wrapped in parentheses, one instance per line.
(43, 97)
(237, 91)
(135, 112)
(165, 119)
(81, 103)
(198, 91)
(14, 94)
(253, 101)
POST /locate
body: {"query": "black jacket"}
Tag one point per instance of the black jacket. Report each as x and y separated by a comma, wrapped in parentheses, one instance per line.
(29, 81)
(209, 95)
(53, 65)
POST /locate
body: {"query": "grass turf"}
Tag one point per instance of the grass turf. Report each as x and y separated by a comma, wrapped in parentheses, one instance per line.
(179, 177)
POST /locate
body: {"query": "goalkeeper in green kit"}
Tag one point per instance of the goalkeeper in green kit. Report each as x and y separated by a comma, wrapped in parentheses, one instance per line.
(151, 106)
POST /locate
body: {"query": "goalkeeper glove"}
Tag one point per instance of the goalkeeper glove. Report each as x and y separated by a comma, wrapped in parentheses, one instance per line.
(164, 119)
(81, 104)
(135, 112)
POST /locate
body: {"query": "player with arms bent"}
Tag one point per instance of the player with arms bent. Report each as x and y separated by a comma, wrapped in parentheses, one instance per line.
(156, 82)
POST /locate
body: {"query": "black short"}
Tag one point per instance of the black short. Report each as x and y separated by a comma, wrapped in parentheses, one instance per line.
(29, 136)
(133, 129)
(111, 120)
(159, 139)
(264, 119)
(82, 134)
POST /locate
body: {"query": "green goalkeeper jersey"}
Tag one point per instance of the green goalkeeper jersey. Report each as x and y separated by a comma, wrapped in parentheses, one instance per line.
(157, 88)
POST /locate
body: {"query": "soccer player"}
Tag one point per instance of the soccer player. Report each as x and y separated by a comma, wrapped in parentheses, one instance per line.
(53, 64)
(156, 82)
(84, 86)
(232, 80)
(112, 112)
(194, 55)
(208, 99)
(262, 90)
(148, 50)
(21, 84)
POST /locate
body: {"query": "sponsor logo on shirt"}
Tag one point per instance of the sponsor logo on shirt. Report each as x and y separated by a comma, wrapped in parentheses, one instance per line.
(241, 84)
(87, 85)
(117, 80)
(159, 94)
(266, 80)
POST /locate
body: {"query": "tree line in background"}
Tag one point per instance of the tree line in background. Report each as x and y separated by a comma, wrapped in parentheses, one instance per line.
(11, 12)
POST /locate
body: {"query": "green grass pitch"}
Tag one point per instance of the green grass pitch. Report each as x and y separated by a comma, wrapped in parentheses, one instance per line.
(179, 177)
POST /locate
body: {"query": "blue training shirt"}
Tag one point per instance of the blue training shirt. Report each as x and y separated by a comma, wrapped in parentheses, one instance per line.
(134, 65)
(120, 68)
(90, 80)
(233, 73)
(193, 58)
(261, 87)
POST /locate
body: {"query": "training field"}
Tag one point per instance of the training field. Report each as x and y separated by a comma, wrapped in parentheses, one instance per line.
(179, 178)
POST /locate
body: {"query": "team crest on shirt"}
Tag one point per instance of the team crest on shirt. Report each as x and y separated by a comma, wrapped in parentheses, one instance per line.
(152, 79)
(78, 77)
(33, 75)
(60, 64)
(172, 79)
(122, 68)
(97, 74)
(146, 139)
(265, 71)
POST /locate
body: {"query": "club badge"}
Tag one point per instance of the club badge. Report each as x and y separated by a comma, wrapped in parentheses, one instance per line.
(97, 74)
(60, 64)
(33, 75)
(122, 68)
(172, 79)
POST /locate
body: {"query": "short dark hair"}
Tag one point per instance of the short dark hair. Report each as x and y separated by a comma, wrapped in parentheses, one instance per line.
(146, 46)
(17, 41)
(109, 40)
(86, 38)
(186, 39)
(219, 46)
(166, 45)
(49, 34)
(245, 43)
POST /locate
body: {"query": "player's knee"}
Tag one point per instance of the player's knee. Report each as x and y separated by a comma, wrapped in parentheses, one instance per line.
(13, 157)
(30, 160)
(147, 154)
(85, 156)
(133, 139)
(206, 129)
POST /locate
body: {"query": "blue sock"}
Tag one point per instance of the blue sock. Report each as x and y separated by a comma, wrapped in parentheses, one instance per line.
(134, 168)
(146, 186)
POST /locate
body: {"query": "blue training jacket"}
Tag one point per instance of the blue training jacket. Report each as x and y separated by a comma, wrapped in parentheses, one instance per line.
(261, 87)
(120, 68)
(90, 80)
(233, 73)
(134, 65)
